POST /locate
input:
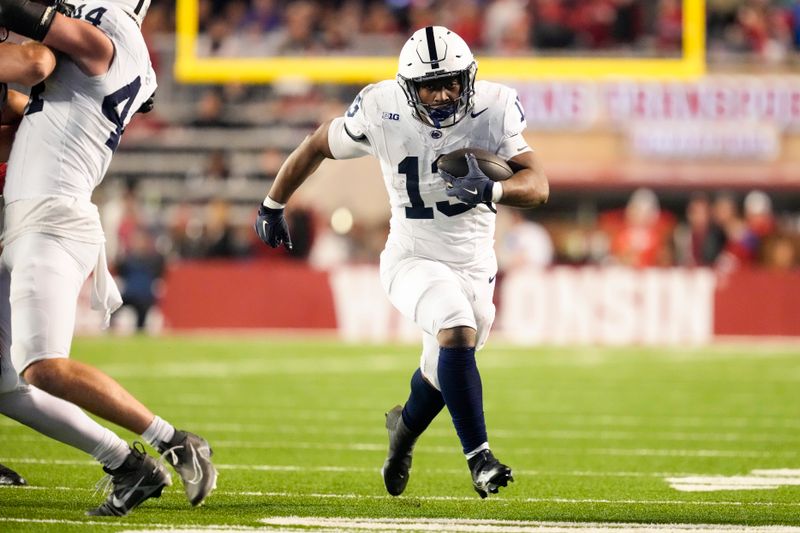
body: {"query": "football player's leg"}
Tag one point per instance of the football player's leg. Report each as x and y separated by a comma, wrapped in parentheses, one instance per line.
(47, 414)
(135, 477)
(404, 283)
(471, 313)
(432, 295)
(47, 274)
(405, 425)
(488, 474)
(8, 376)
(425, 400)
(64, 422)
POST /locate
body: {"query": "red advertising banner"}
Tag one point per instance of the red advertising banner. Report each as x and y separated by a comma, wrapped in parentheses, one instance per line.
(562, 305)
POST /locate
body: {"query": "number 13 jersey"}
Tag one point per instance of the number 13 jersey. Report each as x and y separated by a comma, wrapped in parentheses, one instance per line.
(73, 122)
(425, 222)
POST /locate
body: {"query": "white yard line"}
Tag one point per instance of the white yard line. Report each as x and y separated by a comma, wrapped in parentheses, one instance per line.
(111, 523)
(624, 452)
(355, 469)
(755, 480)
(439, 525)
(500, 500)
(557, 435)
(554, 434)
(499, 526)
(662, 423)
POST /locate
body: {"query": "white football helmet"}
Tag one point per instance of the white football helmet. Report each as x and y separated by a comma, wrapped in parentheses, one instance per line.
(135, 8)
(436, 52)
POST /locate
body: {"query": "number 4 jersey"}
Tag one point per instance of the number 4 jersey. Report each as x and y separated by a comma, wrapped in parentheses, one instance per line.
(73, 121)
(425, 221)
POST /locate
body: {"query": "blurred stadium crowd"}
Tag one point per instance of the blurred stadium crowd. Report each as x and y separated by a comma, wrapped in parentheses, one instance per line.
(188, 177)
(766, 28)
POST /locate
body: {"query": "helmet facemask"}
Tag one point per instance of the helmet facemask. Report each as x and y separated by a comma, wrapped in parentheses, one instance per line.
(441, 115)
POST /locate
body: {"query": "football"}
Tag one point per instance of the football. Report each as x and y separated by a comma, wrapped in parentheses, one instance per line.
(455, 164)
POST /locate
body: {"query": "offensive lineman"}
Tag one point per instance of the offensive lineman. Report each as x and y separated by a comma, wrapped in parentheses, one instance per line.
(438, 266)
(53, 239)
(25, 64)
(29, 64)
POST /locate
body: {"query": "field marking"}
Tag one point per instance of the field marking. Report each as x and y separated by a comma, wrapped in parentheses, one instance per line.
(443, 525)
(553, 434)
(108, 523)
(256, 366)
(282, 413)
(354, 469)
(565, 417)
(757, 480)
(375, 447)
(638, 452)
(500, 526)
(501, 500)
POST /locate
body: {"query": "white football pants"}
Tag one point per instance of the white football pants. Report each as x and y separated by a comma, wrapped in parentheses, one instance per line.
(47, 274)
(438, 296)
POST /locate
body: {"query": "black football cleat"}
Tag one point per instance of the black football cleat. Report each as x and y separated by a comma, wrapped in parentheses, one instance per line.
(9, 477)
(488, 474)
(190, 455)
(140, 477)
(397, 466)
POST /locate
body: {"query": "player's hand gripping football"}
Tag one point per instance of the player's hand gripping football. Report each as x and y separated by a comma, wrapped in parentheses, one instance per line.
(272, 228)
(472, 189)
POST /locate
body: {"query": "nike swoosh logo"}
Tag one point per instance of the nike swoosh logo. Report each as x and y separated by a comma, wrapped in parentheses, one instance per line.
(264, 226)
(491, 280)
(471, 191)
(117, 502)
(474, 114)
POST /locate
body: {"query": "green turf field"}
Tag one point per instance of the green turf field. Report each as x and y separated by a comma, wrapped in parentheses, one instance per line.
(297, 428)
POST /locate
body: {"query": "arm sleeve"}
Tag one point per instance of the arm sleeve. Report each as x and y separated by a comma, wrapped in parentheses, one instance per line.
(514, 126)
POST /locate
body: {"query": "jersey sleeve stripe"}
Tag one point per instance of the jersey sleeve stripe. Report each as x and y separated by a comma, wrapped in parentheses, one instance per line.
(356, 138)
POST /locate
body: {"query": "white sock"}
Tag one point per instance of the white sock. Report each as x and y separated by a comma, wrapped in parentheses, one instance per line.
(476, 451)
(111, 451)
(64, 422)
(158, 432)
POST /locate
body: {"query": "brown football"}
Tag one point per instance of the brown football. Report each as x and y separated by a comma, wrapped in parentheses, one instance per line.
(455, 164)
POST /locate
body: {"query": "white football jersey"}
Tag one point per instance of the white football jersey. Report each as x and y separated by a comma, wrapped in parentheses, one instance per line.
(73, 122)
(426, 222)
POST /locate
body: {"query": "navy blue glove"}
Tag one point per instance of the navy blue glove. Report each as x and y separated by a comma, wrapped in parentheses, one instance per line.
(472, 189)
(272, 228)
(148, 104)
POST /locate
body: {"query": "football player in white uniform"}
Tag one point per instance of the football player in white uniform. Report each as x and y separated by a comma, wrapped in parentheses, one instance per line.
(53, 239)
(438, 266)
(24, 64)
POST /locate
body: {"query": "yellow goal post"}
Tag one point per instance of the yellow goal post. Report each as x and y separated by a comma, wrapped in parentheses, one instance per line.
(190, 68)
